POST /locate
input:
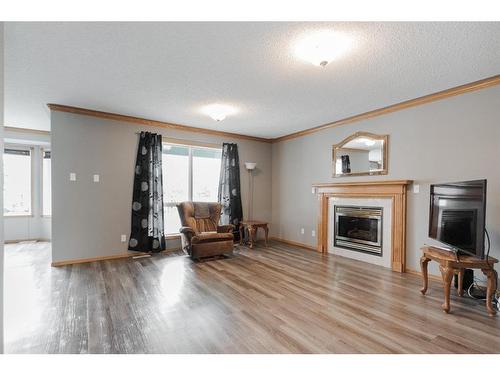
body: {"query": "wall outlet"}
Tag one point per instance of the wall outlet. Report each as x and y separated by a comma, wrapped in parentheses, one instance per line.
(416, 188)
(302, 231)
(313, 233)
(96, 178)
(124, 238)
(72, 176)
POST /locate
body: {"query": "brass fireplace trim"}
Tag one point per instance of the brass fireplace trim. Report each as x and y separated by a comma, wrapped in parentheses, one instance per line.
(394, 189)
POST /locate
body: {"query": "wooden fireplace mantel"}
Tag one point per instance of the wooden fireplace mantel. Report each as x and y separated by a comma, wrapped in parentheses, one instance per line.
(393, 189)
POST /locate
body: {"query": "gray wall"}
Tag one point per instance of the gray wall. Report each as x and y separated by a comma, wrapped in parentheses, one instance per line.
(453, 139)
(88, 218)
(1, 182)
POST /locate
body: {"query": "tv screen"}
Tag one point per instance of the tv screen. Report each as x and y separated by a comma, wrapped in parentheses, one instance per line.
(457, 215)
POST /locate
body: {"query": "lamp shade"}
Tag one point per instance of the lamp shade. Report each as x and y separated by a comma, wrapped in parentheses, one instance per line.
(250, 166)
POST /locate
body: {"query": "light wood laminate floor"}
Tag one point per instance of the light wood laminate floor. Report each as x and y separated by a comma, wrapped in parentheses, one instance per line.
(276, 300)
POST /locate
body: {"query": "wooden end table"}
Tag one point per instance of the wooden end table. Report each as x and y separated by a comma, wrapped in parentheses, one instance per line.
(449, 264)
(252, 226)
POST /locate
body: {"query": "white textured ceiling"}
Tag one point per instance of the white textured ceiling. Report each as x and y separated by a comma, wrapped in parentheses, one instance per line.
(166, 71)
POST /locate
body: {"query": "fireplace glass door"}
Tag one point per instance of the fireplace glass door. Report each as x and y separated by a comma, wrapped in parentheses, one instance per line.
(359, 228)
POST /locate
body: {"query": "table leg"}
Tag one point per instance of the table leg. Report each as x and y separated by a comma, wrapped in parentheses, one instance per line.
(242, 232)
(266, 229)
(425, 278)
(251, 234)
(447, 273)
(461, 282)
(492, 276)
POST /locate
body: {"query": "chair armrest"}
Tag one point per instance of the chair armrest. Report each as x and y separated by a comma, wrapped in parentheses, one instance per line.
(187, 230)
(228, 228)
(187, 234)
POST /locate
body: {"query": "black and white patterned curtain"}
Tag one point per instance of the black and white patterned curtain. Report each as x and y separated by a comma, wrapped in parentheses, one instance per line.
(346, 164)
(229, 187)
(147, 231)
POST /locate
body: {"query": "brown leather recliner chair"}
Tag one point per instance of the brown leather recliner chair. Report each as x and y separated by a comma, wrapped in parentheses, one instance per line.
(201, 234)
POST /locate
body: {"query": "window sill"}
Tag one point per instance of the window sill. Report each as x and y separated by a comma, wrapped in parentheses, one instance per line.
(173, 236)
(16, 216)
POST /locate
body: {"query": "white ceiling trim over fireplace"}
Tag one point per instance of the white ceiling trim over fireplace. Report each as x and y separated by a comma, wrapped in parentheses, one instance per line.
(168, 71)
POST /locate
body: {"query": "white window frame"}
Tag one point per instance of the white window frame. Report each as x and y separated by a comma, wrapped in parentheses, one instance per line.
(14, 146)
(42, 151)
(190, 145)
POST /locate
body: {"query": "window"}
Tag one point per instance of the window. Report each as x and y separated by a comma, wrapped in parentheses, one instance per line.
(190, 173)
(46, 184)
(206, 172)
(17, 182)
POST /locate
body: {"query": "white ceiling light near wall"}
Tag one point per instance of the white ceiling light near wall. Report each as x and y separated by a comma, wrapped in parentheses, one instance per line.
(322, 47)
(367, 142)
(218, 111)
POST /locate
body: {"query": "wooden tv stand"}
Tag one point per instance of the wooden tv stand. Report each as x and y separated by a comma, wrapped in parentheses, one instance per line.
(449, 264)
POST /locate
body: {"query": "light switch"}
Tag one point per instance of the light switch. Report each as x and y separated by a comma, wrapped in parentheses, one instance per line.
(301, 230)
(124, 238)
(72, 176)
(416, 188)
(313, 233)
(96, 178)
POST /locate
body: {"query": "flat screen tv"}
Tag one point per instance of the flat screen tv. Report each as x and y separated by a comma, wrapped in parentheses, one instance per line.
(457, 216)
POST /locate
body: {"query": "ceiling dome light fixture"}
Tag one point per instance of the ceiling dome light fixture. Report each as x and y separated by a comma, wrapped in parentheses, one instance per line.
(322, 47)
(218, 111)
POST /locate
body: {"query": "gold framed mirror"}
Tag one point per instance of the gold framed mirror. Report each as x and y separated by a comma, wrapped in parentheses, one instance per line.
(361, 154)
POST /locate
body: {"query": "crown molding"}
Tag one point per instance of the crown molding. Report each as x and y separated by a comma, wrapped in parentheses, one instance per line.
(454, 91)
(147, 122)
(458, 90)
(14, 129)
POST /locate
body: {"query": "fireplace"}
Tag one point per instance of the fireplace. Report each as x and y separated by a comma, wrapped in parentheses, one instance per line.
(390, 195)
(358, 228)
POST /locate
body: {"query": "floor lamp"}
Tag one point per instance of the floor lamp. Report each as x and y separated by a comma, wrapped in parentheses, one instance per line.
(250, 168)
